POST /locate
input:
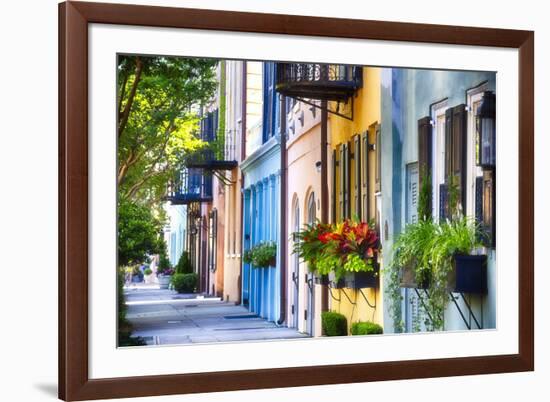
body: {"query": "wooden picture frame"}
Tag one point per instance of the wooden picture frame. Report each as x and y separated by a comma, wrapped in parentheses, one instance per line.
(74, 381)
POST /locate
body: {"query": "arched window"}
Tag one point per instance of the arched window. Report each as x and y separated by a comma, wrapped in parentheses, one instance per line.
(311, 208)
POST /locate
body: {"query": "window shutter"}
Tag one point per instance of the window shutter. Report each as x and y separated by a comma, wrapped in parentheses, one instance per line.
(378, 150)
(341, 187)
(455, 148)
(489, 206)
(357, 166)
(479, 200)
(443, 207)
(333, 179)
(347, 181)
(364, 176)
(424, 147)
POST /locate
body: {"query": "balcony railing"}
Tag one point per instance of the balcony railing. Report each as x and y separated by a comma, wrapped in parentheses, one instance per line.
(331, 82)
(220, 151)
(192, 185)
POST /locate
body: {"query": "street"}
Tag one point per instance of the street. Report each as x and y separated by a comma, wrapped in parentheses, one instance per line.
(164, 317)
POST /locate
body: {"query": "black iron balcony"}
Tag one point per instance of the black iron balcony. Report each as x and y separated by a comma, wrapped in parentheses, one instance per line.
(219, 152)
(192, 185)
(331, 82)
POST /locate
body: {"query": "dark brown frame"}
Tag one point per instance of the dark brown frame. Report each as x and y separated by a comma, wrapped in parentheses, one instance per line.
(74, 17)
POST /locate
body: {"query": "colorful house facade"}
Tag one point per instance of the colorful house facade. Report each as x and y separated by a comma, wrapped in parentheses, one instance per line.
(261, 168)
(429, 127)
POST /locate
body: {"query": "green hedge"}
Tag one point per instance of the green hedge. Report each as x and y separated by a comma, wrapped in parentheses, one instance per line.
(366, 328)
(184, 283)
(184, 265)
(334, 324)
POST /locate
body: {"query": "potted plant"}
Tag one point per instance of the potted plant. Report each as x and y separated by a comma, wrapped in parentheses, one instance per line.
(309, 247)
(264, 254)
(356, 247)
(440, 257)
(164, 272)
(148, 275)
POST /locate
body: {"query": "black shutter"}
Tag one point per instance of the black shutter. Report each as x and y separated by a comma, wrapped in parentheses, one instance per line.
(443, 204)
(425, 153)
(489, 206)
(333, 195)
(357, 168)
(455, 149)
(365, 176)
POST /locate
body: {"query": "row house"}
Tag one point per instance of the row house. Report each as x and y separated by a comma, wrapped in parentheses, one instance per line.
(431, 129)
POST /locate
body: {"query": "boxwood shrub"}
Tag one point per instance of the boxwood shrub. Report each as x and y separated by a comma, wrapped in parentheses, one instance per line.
(184, 283)
(366, 328)
(334, 324)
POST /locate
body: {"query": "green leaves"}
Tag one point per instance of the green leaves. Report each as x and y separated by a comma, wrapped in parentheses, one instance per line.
(159, 98)
(138, 233)
(262, 255)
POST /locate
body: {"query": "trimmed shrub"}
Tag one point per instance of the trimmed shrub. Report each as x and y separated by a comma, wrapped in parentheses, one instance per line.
(184, 264)
(334, 324)
(184, 283)
(148, 271)
(366, 328)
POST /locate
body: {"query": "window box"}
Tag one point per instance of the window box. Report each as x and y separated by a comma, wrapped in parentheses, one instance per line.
(336, 284)
(469, 274)
(408, 278)
(321, 280)
(361, 280)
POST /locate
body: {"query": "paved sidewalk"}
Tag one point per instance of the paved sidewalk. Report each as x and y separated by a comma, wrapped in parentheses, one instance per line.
(164, 317)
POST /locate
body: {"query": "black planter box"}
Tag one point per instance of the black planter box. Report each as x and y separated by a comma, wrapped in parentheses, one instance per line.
(336, 284)
(361, 280)
(470, 274)
(321, 280)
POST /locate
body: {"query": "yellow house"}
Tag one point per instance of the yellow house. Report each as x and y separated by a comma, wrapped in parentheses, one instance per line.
(355, 184)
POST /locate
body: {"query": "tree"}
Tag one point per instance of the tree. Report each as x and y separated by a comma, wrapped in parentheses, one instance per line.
(138, 233)
(158, 100)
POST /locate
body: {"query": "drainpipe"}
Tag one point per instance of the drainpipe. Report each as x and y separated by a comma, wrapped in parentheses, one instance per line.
(284, 190)
(242, 157)
(324, 185)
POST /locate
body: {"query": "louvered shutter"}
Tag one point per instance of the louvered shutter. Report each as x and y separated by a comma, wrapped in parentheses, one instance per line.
(364, 176)
(347, 181)
(357, 170)
(455, 148)
(341, 186)
(425, 154)
(378, 161)
(489, 206)
(443, 204)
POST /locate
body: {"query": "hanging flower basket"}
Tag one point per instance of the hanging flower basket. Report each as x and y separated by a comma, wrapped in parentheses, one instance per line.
(363, 279)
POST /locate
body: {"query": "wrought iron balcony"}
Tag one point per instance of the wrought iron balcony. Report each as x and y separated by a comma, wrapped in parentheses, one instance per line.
(221, 145)
(192, 185)
(331, 82)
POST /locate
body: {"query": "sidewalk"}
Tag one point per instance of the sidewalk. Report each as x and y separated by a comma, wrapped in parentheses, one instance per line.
(164, 317)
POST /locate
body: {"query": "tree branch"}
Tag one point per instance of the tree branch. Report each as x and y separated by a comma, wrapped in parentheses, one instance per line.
(123, 120)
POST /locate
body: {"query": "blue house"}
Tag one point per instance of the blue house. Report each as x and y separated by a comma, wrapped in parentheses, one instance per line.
(261, 287)
(429, 132)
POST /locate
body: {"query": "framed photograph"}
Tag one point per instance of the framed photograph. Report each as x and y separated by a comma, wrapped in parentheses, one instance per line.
(260, 200)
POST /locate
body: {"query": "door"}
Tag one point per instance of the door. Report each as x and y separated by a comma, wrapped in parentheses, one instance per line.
(310, 284)
(296, 270)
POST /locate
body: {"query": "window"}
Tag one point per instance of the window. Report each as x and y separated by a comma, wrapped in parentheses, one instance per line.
(438, 155)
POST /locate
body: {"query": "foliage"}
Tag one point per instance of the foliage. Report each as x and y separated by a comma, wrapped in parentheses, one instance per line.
(138, 233)
(148, 271)
(334, 324)
(158, 100)
(307, 244)
(185, 283)
(453, 197)
(184, 265)
(247, 256)
(263, 254)
(124, 327)
(429, 248)
(425, 198)
(350, 246)
(366, 328)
